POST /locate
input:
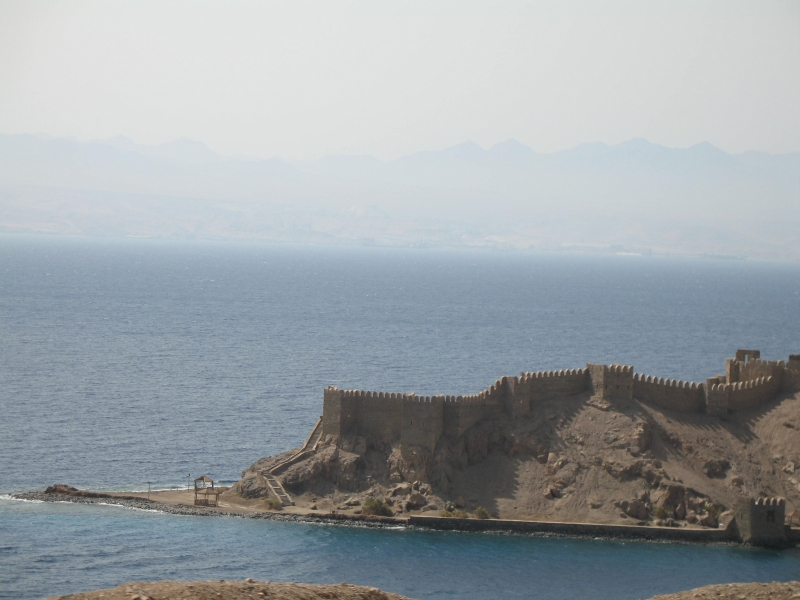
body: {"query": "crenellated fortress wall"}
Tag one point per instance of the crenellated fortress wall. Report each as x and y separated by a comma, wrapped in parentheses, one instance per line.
(420, 421)
(669, 393)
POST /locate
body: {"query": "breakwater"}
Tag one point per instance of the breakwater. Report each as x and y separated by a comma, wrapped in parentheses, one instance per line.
(632, 532)
(728, 535)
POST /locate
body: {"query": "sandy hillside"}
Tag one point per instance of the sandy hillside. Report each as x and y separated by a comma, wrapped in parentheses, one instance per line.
(579, 459)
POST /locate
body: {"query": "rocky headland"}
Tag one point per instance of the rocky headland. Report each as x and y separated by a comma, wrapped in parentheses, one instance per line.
(600, 452)
(576, 458)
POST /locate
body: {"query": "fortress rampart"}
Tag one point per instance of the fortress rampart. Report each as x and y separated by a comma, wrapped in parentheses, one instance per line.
(420, 421)
(670, 394)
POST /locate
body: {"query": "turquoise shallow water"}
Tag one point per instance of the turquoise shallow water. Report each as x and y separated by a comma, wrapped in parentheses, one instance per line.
(131, 361)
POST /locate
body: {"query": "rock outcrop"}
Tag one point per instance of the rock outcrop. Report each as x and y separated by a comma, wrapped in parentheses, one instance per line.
(789, 590)
(233, 590)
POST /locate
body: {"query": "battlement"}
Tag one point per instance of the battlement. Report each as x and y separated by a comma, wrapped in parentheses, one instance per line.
(766, 363)
(421, 420)
(754, 368)
(611, 382)
(675, 383)
(672, 394)
(744, 355)
(423, 399)
(544, 374)
(770, 502)
(743, 395)
(741, 385)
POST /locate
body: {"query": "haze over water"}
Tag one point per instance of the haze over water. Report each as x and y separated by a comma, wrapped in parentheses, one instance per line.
(139, 360)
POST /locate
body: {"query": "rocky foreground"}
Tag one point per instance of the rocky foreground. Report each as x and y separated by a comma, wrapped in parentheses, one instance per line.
(578, 459)
(233, 590)
(256, 590)
(740, 591)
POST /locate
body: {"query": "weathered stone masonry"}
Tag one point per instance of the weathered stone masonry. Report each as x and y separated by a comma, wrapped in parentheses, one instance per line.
(761, 521)
(420, 421)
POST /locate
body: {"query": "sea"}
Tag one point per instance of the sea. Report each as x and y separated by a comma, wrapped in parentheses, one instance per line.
(128, 363)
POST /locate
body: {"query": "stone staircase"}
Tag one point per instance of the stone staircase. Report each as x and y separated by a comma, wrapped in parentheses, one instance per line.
(316, 435)
(277, 489)
(307, 449)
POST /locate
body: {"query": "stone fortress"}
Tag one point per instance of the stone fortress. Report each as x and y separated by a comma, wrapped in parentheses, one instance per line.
(420, 421)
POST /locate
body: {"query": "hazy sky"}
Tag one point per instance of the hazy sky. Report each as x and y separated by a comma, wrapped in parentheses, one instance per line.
(304, 79)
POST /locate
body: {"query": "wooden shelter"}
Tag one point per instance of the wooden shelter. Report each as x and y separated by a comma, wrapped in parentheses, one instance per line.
(204, 492)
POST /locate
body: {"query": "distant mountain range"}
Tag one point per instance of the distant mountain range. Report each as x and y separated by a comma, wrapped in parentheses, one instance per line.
(634, 197)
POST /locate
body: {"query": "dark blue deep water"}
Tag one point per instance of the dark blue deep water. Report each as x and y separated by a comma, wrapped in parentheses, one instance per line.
(129, 361)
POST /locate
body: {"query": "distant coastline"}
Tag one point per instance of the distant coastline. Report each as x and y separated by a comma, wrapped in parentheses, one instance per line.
(633, 198)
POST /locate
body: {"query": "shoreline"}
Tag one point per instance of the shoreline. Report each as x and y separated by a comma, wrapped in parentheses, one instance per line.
(139, 503)
(542, 529)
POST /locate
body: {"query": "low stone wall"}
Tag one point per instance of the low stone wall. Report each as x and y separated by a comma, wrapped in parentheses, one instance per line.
(578, 529)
